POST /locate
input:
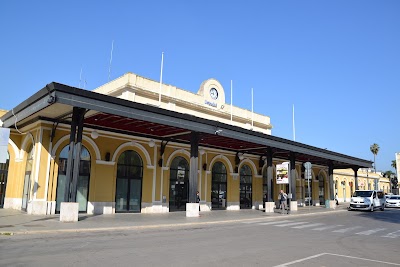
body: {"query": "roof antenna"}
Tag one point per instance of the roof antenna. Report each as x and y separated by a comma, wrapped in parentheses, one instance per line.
(80, 78)
(109, 69)
(159, 90)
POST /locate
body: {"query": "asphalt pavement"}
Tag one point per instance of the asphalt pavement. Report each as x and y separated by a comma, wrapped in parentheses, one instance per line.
(13, 222)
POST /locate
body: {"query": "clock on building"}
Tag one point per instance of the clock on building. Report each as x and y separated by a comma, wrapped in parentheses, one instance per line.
(214, 93)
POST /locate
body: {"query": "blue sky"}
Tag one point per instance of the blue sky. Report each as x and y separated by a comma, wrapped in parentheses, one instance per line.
(337, 62)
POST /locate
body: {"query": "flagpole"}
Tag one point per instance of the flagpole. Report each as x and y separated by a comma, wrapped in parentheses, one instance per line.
(109, 69)
(252, 110)
(294, 129)
(162, 63)
(231, 100)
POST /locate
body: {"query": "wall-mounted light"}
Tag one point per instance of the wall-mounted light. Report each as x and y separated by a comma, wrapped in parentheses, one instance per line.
(94, 134)
(205, 166)
(151, 143)
(201, 152)
(240, 155)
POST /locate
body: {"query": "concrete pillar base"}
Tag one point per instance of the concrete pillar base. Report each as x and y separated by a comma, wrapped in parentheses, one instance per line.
(330, 204)
(192, 209)
(69, 211)
(293, 205)
(269, 206)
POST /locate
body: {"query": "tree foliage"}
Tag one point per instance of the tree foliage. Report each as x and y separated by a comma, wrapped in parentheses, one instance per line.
(374, 149)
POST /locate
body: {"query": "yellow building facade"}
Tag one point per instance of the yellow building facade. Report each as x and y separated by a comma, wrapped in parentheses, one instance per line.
(125, 166)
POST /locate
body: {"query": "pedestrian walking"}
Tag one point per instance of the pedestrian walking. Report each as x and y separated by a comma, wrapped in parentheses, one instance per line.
(282, 201)
(197, 197)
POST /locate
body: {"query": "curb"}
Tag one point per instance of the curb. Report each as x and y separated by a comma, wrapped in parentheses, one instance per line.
(156, 226)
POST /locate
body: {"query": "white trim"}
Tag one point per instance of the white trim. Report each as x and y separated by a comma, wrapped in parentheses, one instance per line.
(49, 158)
(217, 157)
(153, 193)
(135, 145)
(15, 149)
(103, 162)
(24, 145)
(84, 137)
(251, 163)
(37, 161)
(172, 156)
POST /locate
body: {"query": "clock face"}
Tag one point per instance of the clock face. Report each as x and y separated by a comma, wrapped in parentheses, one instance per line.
(214, 93)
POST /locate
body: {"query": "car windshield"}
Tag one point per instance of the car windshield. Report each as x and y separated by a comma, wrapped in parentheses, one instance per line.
(362, 194)
(394, 197)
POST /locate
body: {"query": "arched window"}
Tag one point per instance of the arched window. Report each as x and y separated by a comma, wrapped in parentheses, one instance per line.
(128, 194)
(246, 195)
(26, 194)
(82, 192)
(218, 186)
(3, 179)
(178, 184)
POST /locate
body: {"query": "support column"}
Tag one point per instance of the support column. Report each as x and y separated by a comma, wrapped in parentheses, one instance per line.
(192, 208)
(270, 177)
(331, 184)
(330, 201)
(269, 205)
(292, 187)
(355, 169)
(194, 166)
(78, 148)
(68, 175)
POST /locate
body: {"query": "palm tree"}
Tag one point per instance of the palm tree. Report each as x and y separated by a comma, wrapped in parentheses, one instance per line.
(374, 149)
(394, 164)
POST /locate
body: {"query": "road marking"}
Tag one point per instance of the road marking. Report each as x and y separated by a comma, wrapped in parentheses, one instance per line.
(326, 227)
(307, 225)
(290, 224)
(250, 222)
(337, 255)
(346, 229)
(372, 231)
(393, 235)
(276, 222)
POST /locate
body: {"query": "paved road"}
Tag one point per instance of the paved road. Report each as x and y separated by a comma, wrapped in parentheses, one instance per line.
(330, 239)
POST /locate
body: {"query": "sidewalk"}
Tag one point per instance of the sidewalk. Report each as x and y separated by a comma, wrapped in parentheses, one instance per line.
(18, 222)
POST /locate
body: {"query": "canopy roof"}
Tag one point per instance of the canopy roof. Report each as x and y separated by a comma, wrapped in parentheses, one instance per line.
(55, 102)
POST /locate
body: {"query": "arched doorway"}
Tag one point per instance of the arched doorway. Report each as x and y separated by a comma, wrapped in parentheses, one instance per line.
(3, 180)
(246, 195)
(82, 192)
(27, 179)
(218, 186)
(178, 184)
(128, 194)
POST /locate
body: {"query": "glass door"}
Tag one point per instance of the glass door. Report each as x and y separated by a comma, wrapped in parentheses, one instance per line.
(82, 192)
(3, 180)
(218, 186)
(128, 194)
(179, 184)
(246, 195)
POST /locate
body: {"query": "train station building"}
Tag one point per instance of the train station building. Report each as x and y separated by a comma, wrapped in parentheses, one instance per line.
(135, 145)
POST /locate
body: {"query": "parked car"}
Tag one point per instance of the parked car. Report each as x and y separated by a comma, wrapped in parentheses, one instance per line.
(367, 200)
(393, 201)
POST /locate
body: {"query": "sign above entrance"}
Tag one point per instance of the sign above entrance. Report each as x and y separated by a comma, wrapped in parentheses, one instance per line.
(282, 173)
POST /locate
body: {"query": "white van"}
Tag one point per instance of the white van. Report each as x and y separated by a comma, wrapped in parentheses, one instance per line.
(367, 200)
